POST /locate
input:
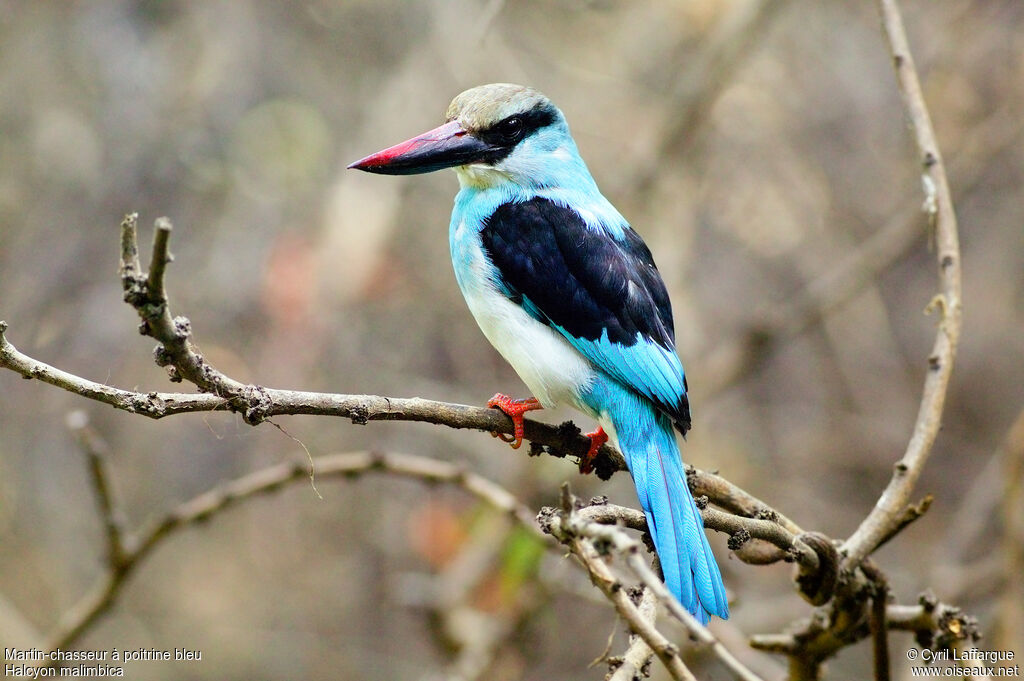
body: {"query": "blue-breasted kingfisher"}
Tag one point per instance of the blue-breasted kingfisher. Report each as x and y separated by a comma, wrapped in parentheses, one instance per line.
(570, 296)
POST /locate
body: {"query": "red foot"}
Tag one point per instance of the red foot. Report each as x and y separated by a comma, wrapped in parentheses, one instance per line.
(515, 410)
(597, 438)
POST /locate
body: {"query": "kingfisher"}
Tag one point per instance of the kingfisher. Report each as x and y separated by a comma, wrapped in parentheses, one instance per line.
(568, 293)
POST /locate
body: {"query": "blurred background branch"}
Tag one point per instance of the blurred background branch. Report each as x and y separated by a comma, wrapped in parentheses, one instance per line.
(133, 550)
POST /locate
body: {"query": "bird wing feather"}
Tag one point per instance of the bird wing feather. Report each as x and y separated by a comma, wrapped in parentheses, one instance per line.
(599, 288)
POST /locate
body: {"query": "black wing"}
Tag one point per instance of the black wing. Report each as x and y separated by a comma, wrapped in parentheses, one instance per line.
(603, 294)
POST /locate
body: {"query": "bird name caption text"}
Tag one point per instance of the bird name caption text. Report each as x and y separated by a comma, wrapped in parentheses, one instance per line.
(35, 663)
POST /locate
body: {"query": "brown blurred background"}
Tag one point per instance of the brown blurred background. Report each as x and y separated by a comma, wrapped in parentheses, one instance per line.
(757, 146)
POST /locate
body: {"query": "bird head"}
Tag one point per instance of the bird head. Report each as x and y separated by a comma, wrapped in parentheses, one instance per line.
(493, 134)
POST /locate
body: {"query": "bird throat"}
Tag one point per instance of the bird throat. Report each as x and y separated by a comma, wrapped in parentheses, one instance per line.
(479, 176)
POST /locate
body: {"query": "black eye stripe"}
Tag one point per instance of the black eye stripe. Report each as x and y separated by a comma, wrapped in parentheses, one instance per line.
(513, 129)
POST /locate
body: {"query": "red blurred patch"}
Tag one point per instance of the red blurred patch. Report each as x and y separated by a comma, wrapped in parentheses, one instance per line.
(436, 532)
(289, 286)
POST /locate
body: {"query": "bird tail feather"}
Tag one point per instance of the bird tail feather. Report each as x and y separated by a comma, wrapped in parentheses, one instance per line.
(689, 566)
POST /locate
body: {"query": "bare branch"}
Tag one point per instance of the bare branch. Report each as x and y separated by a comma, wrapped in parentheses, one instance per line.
(102, 596)
(562, 440)
(154, 404)
(147, 294)
(571, 526)
(935, 624)
(911, 513)
(635, 661)
(938, 206)
(879, 627)
(733, 499)
(160, 259)
(604, 579)
(97, 452)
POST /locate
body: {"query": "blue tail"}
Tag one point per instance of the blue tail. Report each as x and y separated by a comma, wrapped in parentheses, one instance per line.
(648, 442)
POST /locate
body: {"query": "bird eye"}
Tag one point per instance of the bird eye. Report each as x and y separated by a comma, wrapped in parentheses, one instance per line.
(511, 127)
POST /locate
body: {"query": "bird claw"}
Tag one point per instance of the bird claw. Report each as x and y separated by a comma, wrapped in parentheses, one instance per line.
(597, 438)
(514, 409)
(504, 437)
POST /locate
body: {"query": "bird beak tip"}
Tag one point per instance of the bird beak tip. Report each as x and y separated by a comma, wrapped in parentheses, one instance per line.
(442, 147)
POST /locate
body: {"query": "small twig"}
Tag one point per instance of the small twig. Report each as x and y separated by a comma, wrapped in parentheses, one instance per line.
(910, 514)
(935, 624)
(733, 499)
(160, 259)
(764, 530)
(637, 658)
(811, 559)
(131, 268)
(879, 628)
(97, 452)
(147, 294)
(698, 631)
(570, 526)
(153, 404)
(613, 589)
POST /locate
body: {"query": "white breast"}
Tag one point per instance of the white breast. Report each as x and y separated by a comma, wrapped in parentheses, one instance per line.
(551, 368)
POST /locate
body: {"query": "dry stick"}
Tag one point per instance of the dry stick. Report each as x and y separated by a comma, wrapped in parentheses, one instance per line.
(203, 507)
(638, 656)
(939, 623)
(879, 629)
(97, 451)
(789, 544)
(563, 440)
(614, 590)
(938, 206)
(571, 526)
